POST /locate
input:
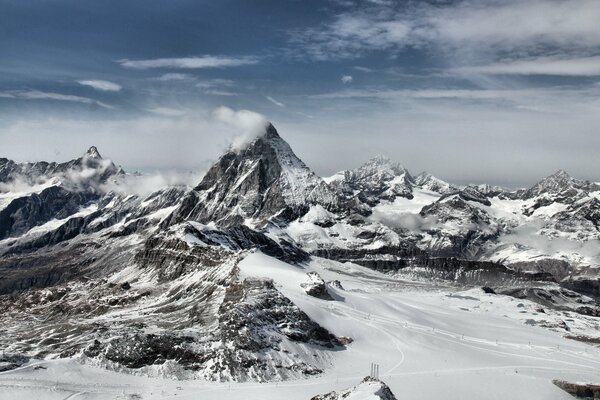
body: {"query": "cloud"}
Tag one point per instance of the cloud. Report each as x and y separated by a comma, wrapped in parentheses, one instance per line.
(589, 66)
(167, 111)
(189, 62)
(101, 85)
(277, 103)
(217, 87)
(174, 76)
(249, 124)
(215, 83)
(468, 27)
(144, 184)
(39, 95)
(346, 79)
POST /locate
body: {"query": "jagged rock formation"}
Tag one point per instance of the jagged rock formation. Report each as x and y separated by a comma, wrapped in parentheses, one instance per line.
(315, 286)
(378, 179)
(368, 389)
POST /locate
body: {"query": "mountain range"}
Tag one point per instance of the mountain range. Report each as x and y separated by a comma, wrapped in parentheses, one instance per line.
(155, 284)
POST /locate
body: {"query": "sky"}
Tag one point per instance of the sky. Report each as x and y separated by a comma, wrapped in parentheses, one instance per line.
(498, 91)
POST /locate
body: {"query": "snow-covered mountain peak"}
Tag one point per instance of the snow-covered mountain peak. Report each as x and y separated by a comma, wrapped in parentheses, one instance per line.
(553, 184)
(93, 152)
(378, 179)
(382, 166)
(427, 181)
(258, 181)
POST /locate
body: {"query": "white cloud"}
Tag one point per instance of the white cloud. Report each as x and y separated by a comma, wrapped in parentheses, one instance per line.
(277, 103)
(346, 79)
(145, 184)
(215, 83)
(39, 95)
(101, 85)
(174, 76)
(167, 111)
(472, 28)
(589, 66)
(189, 62)
(249, 124)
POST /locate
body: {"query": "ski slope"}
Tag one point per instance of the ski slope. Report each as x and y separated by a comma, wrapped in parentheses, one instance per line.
(431, 342)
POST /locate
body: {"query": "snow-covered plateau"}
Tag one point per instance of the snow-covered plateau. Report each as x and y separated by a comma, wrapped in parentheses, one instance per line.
(266, 281)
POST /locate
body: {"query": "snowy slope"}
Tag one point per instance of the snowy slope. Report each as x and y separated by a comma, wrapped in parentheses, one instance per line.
(467, 345)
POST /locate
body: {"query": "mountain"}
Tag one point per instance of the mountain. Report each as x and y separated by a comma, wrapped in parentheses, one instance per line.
(263, 179)
(90, 168)
(378, 179)
(560, 183)
(235, 278)
(427, 181)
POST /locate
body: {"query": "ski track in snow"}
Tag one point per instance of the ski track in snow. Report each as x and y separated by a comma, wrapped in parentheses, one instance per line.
(424, 340)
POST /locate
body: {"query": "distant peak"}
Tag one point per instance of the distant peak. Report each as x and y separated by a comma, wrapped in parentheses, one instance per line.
(93, 152)
(560, 174)
(384, 163)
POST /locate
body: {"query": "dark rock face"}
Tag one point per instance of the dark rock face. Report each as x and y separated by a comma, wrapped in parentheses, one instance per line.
(141, 350)
(271, 310)
(588, 286)
(556, 298)
(470, 193)
(315, 286)
(9, 361)
(54, 202)
(579, 390)
(240, 237)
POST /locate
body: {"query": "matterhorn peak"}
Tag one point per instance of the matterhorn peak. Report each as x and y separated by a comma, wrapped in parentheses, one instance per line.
(93, 152)
(256, 181)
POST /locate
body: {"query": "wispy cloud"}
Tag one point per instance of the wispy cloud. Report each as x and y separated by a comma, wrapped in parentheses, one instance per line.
(189, 62)
(476, 29)
(588, 66)
(560, 100)
(167, 111)
(277, 103)
(346, 79)
(212, 83)
(39, 95)
(105, 86)
(174, 76)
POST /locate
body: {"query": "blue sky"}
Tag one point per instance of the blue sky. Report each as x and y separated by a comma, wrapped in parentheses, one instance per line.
(472, 91)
